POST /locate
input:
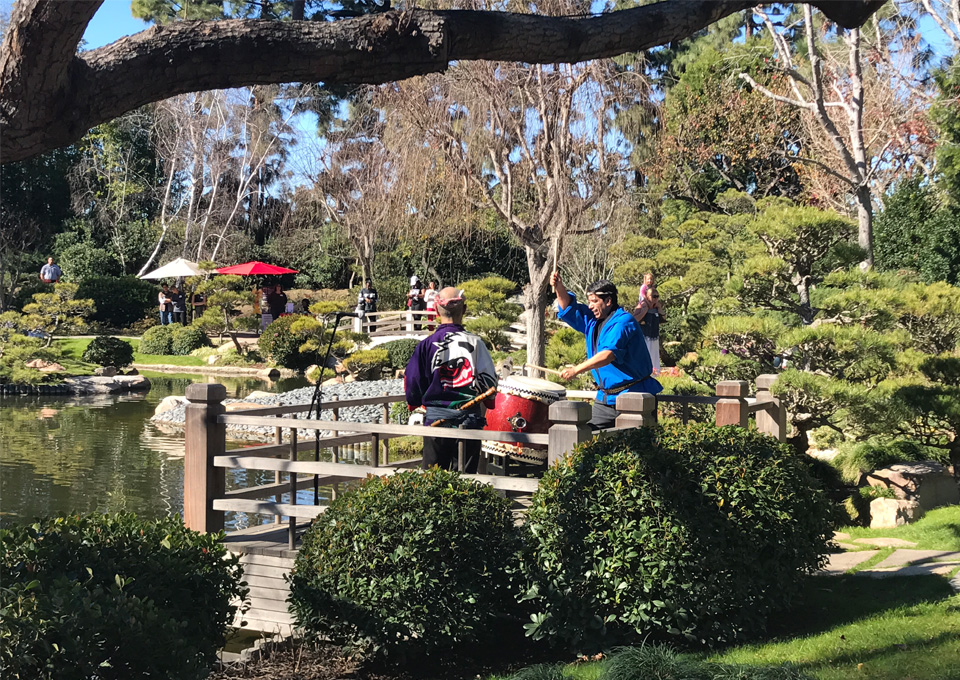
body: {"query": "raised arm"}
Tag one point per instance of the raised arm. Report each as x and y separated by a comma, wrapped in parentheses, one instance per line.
(563, 297)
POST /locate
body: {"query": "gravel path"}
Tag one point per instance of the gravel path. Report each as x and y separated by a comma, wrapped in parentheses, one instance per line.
(303, 395)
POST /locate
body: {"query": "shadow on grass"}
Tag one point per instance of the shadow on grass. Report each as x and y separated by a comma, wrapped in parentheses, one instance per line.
(828, 602)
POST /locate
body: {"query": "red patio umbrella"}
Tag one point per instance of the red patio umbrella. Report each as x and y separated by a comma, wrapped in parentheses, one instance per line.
(253, 268)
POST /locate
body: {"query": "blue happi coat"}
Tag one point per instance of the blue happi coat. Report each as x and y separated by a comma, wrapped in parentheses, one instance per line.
(621, 335)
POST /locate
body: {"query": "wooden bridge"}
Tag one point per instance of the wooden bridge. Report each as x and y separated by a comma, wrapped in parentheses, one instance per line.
(268, 551)
(407, 323)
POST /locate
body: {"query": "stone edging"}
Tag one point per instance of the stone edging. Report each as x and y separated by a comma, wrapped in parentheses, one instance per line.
(227, 371)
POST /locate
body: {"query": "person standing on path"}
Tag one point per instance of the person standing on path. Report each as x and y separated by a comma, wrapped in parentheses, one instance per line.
(368, 304)
(617, 357)
(448, 369)
(649, 314)
(50, 272)
(415, 301)
(430, 302)
(166, 305)
(178, 306)
(277, 301)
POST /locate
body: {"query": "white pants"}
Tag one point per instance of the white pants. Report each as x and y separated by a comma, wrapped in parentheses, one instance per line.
(653, 346)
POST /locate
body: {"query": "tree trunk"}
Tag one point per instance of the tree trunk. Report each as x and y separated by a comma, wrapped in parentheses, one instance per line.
(865, 222)
(535, 301)
(42, 75)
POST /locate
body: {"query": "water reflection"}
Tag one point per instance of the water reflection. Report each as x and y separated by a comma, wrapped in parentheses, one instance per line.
(101, 454)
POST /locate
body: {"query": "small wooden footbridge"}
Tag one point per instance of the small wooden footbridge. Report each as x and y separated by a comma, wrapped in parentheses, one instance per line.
(350, 451)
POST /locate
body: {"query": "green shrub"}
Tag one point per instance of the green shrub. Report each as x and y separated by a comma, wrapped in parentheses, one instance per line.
(120, 301)
(113, 597)
(185, 339)
(695, 531)
(399, 352)
(157, 340)
(567, 347)
(282, 340)
(107, 351)
(491, 329)
(400, 413)
(653, 661)
(367, 363)
(411, 566)
(855, 460)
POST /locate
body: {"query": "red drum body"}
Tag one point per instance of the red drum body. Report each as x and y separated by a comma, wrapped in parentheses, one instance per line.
(522, 404)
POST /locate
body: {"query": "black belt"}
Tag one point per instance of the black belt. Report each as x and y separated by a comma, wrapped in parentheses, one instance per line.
(622, 388)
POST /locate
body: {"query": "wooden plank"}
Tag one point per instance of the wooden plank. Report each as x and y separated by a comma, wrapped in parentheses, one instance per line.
(265, 582)
(273, 449)
(268, 605)
(266, 570)
(398, 430)
(303, 408)
(271, 627)
(686, 399)
(268, 560)
(267, 616)
(267, 507)
(269, 594)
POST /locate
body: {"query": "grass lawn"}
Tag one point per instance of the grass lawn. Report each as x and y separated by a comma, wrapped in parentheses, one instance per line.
(853, 627)
(937, 530)
(73, 349)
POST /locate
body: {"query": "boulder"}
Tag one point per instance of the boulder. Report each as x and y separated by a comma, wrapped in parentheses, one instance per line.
(101, 384)
(212, 359)
(168, 404)
(108, 371)
(131, 371)
(339, 380)
(887, 513)
(44, 366)
(930, 484)
(259, 394)
(226, 347)
(269, 374)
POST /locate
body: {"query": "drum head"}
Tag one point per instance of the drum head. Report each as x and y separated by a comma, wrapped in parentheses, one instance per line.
(522, 382)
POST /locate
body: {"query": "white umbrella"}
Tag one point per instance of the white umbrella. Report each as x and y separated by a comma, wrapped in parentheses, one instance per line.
(174, 270)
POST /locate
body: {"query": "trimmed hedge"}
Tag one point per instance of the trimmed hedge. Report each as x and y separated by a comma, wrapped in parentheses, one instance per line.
(185, 339)
(120, 301)
(695, 532)
(157, 340)
(281, 344)
(105, 350)
(113, 597)
(399, 352)
(367, 363)
(413, 565)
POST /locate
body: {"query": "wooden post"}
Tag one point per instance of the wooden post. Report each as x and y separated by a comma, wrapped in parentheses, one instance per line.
(335, 410)
(375, 450)
(637, 409)
(205, 439)
(569, 428)
(386, 440)
(292, 521)
(410, 321)
(773, 419)
(732, 409)
(277, 439)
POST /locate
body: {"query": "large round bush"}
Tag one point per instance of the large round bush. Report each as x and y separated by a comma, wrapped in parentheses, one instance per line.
(412, 565)
(105, 350)
(157, 340)
(280, 341)
(696, 531)
(120, 301)
(399, 352)
(185, 339)
(101, 597)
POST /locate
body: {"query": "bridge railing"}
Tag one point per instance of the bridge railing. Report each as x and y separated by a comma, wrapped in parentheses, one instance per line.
(207, 459)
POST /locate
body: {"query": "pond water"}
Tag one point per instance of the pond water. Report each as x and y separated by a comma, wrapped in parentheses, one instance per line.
(62, 455)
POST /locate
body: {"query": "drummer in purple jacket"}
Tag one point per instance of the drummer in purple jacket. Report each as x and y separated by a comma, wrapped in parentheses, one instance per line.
(448, 369)
(617, 356)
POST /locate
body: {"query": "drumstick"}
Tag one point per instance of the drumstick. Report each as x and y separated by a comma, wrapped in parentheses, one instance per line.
(473, 402)
(556, 249)
(541, 368)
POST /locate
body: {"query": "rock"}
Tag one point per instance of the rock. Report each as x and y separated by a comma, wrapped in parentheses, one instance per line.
(930, 484)
(887, 513)
(228, 346)
(131, 371)
(108, 371)
(212, 359)
(168, 404)
(259, 394)
(269, 374)
(45, 366)
(101, 384)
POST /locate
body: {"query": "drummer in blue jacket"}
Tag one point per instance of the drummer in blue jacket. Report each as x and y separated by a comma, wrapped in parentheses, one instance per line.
(617, 356)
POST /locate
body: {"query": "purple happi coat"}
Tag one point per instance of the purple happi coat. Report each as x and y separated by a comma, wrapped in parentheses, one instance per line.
(448, 369)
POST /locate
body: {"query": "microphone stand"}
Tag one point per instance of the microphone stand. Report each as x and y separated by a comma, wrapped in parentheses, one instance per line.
(316, 401)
